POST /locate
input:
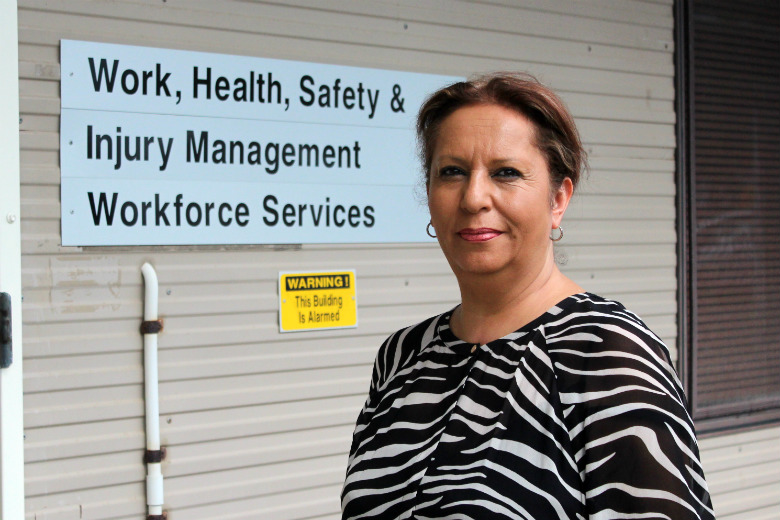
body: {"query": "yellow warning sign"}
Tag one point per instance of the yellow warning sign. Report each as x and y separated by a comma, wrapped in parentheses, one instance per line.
(313, 301)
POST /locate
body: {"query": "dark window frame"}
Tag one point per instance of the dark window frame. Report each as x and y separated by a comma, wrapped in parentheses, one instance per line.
(732, 416)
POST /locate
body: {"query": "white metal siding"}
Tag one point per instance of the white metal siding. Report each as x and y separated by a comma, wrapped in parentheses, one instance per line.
(257, 424)
(743, 472)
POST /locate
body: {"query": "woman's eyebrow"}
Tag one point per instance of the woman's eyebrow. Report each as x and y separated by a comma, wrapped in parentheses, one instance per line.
(449, 157)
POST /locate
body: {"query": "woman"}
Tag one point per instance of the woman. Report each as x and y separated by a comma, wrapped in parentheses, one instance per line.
(532, 398)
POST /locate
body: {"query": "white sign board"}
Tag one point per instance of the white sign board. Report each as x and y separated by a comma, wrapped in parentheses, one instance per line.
(167, 147)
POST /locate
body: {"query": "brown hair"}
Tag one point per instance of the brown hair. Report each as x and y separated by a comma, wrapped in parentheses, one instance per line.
(556, 134)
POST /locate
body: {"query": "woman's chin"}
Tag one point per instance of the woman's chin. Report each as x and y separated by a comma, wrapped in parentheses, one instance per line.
(477, 265)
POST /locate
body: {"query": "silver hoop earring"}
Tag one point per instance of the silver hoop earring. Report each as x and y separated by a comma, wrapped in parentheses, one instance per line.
(560, 235)
(428, 230)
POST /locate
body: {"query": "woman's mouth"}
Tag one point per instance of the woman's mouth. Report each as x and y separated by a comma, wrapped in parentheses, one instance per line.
(478, 234)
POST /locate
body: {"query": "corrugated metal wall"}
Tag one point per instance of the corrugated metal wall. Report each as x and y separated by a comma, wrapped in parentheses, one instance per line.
(257, 424)
(743, 472)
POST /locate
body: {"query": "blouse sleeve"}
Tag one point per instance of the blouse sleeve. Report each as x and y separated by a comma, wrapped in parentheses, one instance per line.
(387, 361)
(395, 353)
(370, 404)
(632, 437)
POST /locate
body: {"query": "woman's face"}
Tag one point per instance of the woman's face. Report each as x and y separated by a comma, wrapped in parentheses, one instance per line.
(489, 193)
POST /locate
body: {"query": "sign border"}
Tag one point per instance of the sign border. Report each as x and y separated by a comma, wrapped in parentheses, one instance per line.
(279, 291)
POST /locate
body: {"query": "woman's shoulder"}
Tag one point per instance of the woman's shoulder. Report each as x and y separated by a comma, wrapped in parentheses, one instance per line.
(402, 346)
(621, 396)
(414, 337)
(601, 339)
(587, 316)
(592, 307)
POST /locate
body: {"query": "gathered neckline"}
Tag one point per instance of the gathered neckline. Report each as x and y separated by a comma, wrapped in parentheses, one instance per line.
(448, 337)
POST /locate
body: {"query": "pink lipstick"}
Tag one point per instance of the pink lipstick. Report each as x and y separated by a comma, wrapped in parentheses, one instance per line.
(478, 234)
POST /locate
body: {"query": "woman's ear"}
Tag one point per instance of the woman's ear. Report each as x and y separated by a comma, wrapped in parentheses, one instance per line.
(560, 201)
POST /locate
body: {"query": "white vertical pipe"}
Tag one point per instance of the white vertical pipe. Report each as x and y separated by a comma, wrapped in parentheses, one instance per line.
(11, 400)
(154, 476)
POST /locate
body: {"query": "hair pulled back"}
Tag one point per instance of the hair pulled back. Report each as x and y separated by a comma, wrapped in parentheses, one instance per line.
(556, 135)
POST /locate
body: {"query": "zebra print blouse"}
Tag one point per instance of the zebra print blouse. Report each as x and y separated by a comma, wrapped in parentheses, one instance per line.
(577, 415)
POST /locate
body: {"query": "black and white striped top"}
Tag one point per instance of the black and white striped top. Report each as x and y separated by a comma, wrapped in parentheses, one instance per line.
(577, 415)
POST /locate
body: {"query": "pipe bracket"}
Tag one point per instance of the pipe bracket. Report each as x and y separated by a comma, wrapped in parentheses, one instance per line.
(151, 456)
(151, 327)
(163, 516)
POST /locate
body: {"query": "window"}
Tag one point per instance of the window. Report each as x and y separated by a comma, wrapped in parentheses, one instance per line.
(729, 209)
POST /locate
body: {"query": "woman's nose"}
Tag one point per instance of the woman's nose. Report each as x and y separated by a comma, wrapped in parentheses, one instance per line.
(476, 193)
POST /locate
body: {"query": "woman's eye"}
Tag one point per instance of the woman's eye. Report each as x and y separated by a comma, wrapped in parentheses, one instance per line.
(507, 173)
(450, 171)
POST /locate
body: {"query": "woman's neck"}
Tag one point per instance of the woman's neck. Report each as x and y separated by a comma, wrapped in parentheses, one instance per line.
(493, 306)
